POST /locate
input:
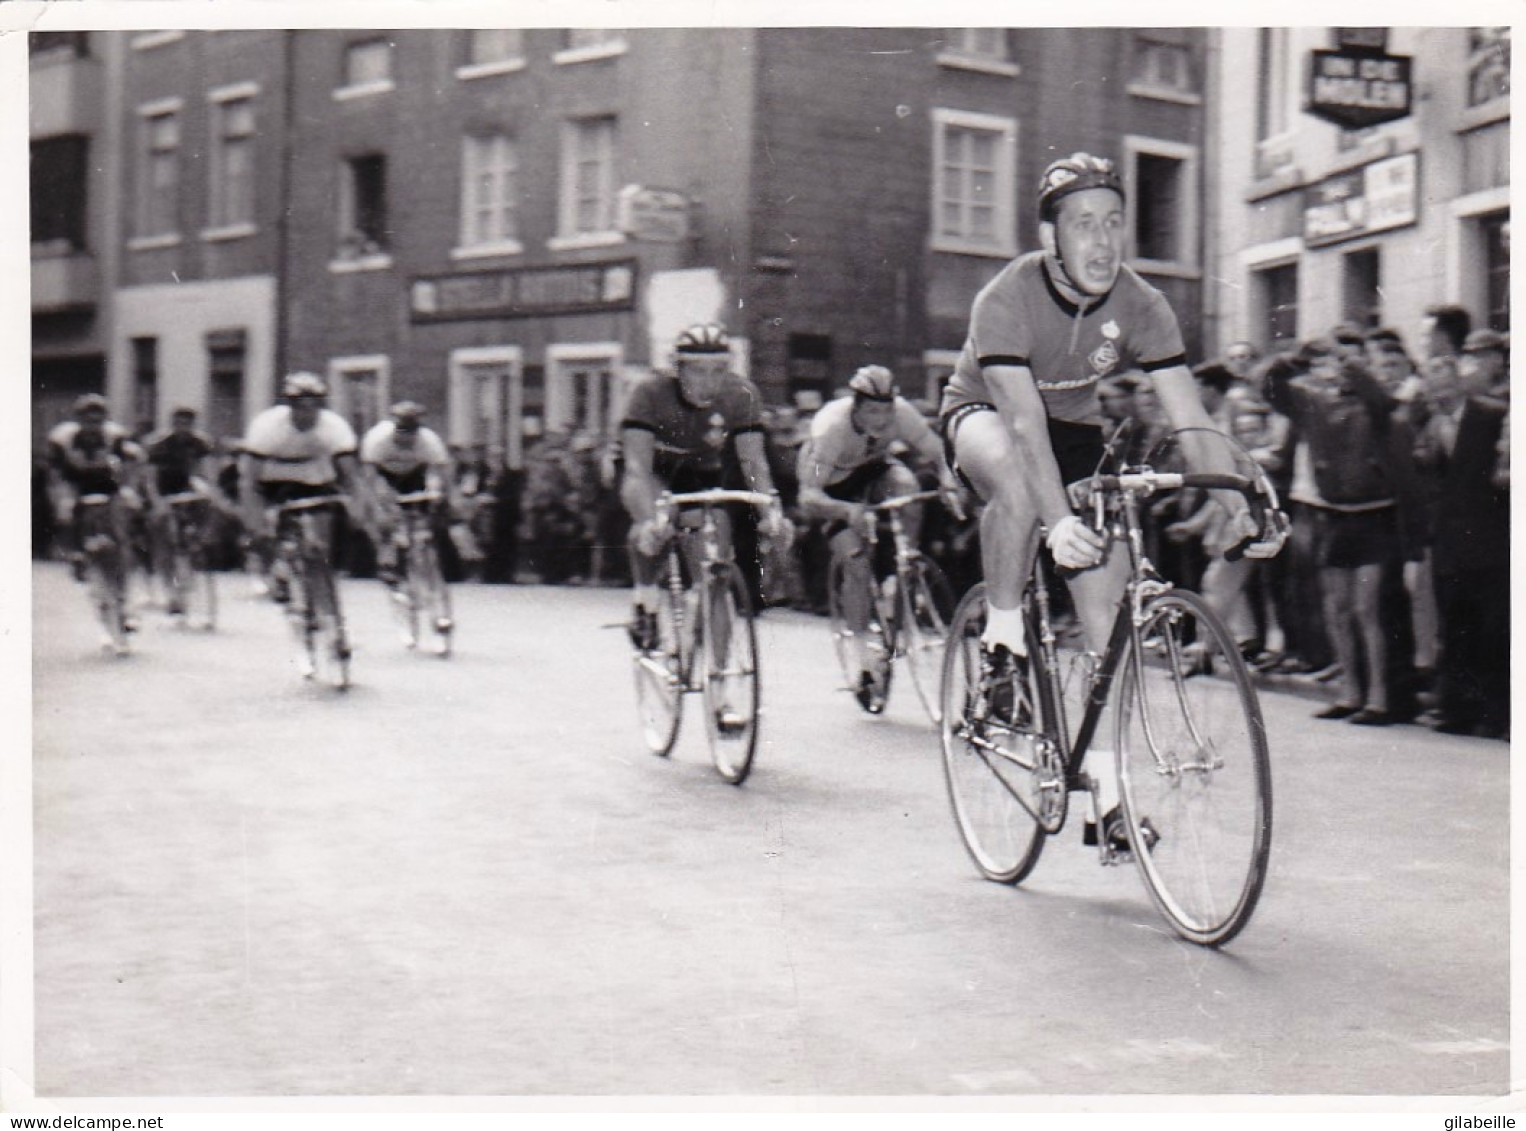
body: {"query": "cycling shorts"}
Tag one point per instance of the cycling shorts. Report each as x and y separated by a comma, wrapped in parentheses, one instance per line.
(1078, 448)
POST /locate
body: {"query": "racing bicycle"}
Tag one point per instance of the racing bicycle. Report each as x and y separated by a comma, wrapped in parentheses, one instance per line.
(191, 584)
(105, 564)
(422, 597)
(304, 529)
(706, 640)
(1190, 746)
(908, 612)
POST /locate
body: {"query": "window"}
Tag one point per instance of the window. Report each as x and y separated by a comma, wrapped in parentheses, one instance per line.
(359, 386)
(145, 381)
(1488, 64)
(489, 179)
(1271, 82)
(225, 393)
(1163, 197)
(588, 179)
(1362, 285)
(159, 172)
(1496, 231)
(582, 388)
(492, 51)
(60, 173)
(808, 366)
(367, 68)
(974, 183)
(1276, 293)
(487, 400)
(583, 43)
(985, 49)
(363, 207)
(232, 189)
(1162, 66)
(58, 45)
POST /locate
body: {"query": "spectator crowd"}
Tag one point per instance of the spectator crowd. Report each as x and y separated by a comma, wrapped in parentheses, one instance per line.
(1391, 460)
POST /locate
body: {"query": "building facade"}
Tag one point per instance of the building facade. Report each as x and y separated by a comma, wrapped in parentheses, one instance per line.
(511, 225)
(1317, 224)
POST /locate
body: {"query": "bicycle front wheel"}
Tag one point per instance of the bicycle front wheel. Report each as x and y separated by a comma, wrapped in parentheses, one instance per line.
(431, 594)
(993, 772)
(1193, 769)
(108, 593)
(660, 678)
(852, 647)
(730, 655)
(327, 640)
(927, 602)
(195, 588)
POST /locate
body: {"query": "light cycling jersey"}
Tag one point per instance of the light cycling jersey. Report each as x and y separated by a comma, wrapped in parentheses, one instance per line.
(289, 455)
(380, 449)
(837, 442)
(689, 438)
(1020, 318)
(91, 462)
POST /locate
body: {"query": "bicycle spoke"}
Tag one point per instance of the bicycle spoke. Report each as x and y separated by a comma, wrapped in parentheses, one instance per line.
(730, 653)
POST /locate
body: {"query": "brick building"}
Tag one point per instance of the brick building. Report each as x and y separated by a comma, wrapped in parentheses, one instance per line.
(510, 225)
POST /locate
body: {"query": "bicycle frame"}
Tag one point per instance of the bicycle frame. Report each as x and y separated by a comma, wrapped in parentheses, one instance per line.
(906, 554)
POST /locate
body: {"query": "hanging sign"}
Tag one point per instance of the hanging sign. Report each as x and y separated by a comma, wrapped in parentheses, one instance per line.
(1358, 88)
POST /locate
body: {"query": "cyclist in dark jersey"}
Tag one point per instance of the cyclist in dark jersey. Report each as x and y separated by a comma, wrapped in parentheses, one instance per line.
(1021, 418)
(674, 437)
(177, 464)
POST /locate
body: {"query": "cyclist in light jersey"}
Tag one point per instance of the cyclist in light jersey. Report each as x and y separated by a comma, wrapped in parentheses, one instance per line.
(1021, 418)
(92, 455)
(844, 464)
(296, 450)
(399, 456)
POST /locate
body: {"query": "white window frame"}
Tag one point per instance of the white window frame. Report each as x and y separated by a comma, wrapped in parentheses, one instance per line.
(1281, 94)
(617, 44)
(508, 418)
(506, 65)
(1464, 243)
(567, 234)
(1285, 252)
(1189, 263)
(959, 54)
(150, 39)
(344, 265)
(217, 99)
(374, 86)
(1144, 89)
(1004, 223)
(339, 392)
(559, 404)
(466, 248)
(147, 112)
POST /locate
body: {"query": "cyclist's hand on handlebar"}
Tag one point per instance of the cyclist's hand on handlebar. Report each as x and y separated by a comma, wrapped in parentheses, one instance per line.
(1256, 540)
(130, 498)
(775, 527)
(1075, 545)
(951, 499)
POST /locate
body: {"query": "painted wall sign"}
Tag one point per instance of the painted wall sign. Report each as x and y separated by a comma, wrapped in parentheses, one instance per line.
(524, 292)
(1374, 198)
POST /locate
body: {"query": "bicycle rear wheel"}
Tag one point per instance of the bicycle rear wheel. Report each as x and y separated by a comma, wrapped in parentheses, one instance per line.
(729, 651)
(927, 602)
(1193, 769)
(996, 774)
(660, 678)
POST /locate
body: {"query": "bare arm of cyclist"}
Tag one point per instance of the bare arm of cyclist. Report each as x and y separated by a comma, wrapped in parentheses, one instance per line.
(639, 487)
(1022, 410)
(818, 456)
(754, 459)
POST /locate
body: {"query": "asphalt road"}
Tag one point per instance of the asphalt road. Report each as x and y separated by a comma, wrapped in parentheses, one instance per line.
(469, 877)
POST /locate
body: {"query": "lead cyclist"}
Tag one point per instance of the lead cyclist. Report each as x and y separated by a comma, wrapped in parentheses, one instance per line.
(1021, 419)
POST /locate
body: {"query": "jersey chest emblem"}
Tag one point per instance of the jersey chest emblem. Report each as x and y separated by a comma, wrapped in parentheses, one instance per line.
(715, 431)
(1103, 359)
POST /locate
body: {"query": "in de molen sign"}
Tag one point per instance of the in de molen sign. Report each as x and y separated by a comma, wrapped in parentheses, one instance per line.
(1354, 90)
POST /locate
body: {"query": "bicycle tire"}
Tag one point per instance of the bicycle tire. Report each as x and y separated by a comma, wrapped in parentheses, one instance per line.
(105, 586)
(1194, 769)
(193, 586)
(985, 778)
(433, 607)
(731, 686)
(660, 677)
(926, 604)
(328, 645)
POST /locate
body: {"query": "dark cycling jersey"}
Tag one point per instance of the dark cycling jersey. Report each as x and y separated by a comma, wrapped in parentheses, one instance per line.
(91, 461)
(1021, 318)
(174, 457)
(691, 442)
